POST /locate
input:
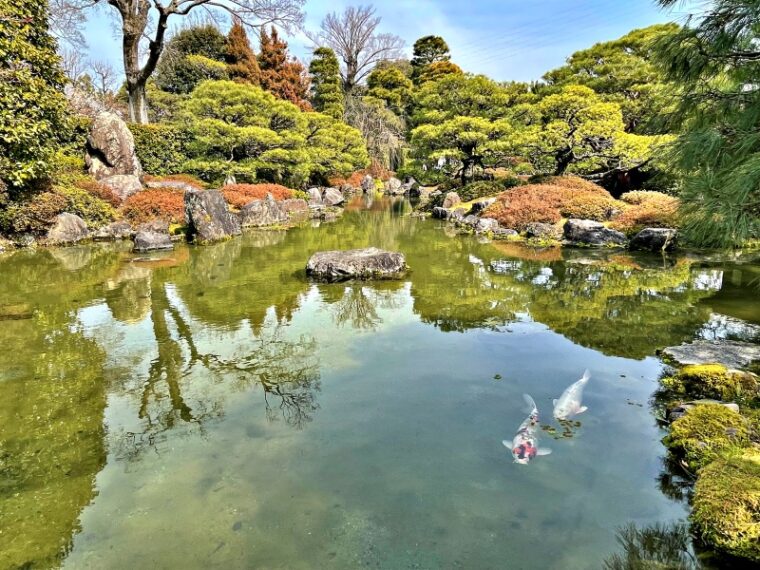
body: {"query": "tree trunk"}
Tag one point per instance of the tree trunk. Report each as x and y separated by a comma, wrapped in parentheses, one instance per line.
(138, 104)
(563, 159)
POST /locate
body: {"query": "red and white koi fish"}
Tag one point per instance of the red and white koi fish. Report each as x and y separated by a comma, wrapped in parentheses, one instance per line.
(524, 446)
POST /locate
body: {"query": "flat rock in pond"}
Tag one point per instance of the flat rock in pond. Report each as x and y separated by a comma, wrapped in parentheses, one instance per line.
(208, 219)
(655, 239)
(370, 263)
(153, 236)
(729, 353)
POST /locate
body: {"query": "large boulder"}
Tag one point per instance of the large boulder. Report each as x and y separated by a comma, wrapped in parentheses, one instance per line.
(123, 185)
(111, 148)
(393, 187)
(451, 200)
(262, 213)
(315, 197)
(295, 207)
(370, 263)
(368, 184)
(589, 232)
(541, 230)
(113, 231)
(655, 239)
(67, 229)
(333, 197)
(208, 218)
(484, 225)
(153, 236)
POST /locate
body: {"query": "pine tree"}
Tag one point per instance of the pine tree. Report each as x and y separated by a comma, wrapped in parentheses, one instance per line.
(33, 111)
(242, 65)
(281, 74)
(326, 85)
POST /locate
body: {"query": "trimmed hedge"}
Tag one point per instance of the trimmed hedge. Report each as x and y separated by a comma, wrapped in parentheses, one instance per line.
(161, 148)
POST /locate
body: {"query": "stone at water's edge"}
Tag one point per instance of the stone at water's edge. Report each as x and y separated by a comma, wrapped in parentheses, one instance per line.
(589, 232)
(123, 185)
(655, 239)
(315, 196)
(368, 184)
(208, 218)
(729, 353)
(295, 206)
(393, 186)
(113, 231)
(451, 200)
(542, 230)
(370, 263)
(679, 410)
(262, 213)
(441, 213)
(333, 197)
(111, 148)
(153, 236)
(67, 229)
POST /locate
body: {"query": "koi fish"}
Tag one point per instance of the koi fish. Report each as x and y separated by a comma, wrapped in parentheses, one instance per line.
(569, 403)
(524, 446)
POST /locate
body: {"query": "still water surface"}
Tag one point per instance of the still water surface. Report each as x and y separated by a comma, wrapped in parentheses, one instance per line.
(212, 408)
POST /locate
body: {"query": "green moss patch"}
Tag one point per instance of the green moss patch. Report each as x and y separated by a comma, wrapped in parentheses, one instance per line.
(727, 504)
(714, 381)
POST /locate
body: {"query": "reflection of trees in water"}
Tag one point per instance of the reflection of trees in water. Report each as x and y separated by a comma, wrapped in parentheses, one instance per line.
(657, 546)
(359, 304)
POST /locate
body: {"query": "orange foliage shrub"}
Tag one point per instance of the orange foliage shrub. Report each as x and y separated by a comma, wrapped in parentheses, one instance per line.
(156, 204)
(99, 191)
(587, 206)
(240, 195)
(376, 171)
(647, 209)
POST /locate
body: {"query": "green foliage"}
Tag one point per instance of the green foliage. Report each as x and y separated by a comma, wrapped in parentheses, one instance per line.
(326, 85)
(429, 51)
(716, 65)
(242, 130)
(576, 130)
(437, 71)
(392, 86)
(726, 504)
(623, 72)
(33, 110)
(161, 148)
(483, 189)
(664, 547)
(705, 432)
(242, 65)
(194, 55)
(714, 381)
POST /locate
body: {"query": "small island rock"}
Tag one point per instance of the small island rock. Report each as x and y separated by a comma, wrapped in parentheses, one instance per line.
(370, 263)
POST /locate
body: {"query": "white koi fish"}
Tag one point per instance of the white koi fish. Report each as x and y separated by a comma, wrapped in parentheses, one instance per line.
(569, 403)
(524, 446)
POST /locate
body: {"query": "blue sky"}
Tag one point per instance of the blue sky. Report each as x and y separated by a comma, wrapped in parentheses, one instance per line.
(505, 39)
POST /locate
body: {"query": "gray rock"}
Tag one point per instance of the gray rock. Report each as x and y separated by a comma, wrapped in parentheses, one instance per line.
(441, 213)
(153, 236)
(589, 232)
(679, 410)
(67, 229)
(208, 218)
(470, 221)
(111, 148)
(370, 263)
(315, 197)
(411, 187)
(123, 185)
(393, 187)
(504, 233)
(729, 353)
(368, 184)
(484, 225)
(456, 216)
(347, 190)
(25, 240)
(542, 231)
(333, 197)
(295, 207)
(655, 239)
(480, 206)
(113, 231)
(451, 200)
(262, 213)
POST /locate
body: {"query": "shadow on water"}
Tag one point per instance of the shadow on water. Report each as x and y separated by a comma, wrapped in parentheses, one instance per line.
(107, 356)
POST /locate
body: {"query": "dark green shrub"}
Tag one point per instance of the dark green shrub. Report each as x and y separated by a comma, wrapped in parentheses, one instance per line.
(160, 147)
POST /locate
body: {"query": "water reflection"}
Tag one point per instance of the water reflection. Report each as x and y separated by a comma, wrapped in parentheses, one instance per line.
(108, 357)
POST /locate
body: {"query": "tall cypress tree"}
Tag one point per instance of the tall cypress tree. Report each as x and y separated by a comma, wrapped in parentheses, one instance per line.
(281, 74)
(242, 65)
(326, 85)
(33, 118)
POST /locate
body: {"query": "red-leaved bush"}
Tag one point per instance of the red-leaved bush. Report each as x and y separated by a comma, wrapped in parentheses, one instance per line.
(240, 195)
(99, 191)
(156, 204)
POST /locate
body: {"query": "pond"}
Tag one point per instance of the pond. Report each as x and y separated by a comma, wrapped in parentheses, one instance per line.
(210, 407)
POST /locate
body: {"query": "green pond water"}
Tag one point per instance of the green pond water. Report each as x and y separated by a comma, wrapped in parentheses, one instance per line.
(211, 408)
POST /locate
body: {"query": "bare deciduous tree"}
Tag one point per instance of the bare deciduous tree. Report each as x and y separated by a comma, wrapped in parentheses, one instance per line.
(104, 77)
(73, 63)
(144, 25)
(67, 18)
(353, 37)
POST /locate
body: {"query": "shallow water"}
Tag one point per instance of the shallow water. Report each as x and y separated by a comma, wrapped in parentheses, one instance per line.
(209, 407)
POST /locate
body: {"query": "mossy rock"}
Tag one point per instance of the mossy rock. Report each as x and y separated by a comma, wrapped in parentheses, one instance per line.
(726, 504)
(706, 431)
(714, 381)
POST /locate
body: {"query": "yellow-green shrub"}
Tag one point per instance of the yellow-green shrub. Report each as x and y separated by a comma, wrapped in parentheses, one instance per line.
(714, 381)
(161, 148)
(726, 504)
